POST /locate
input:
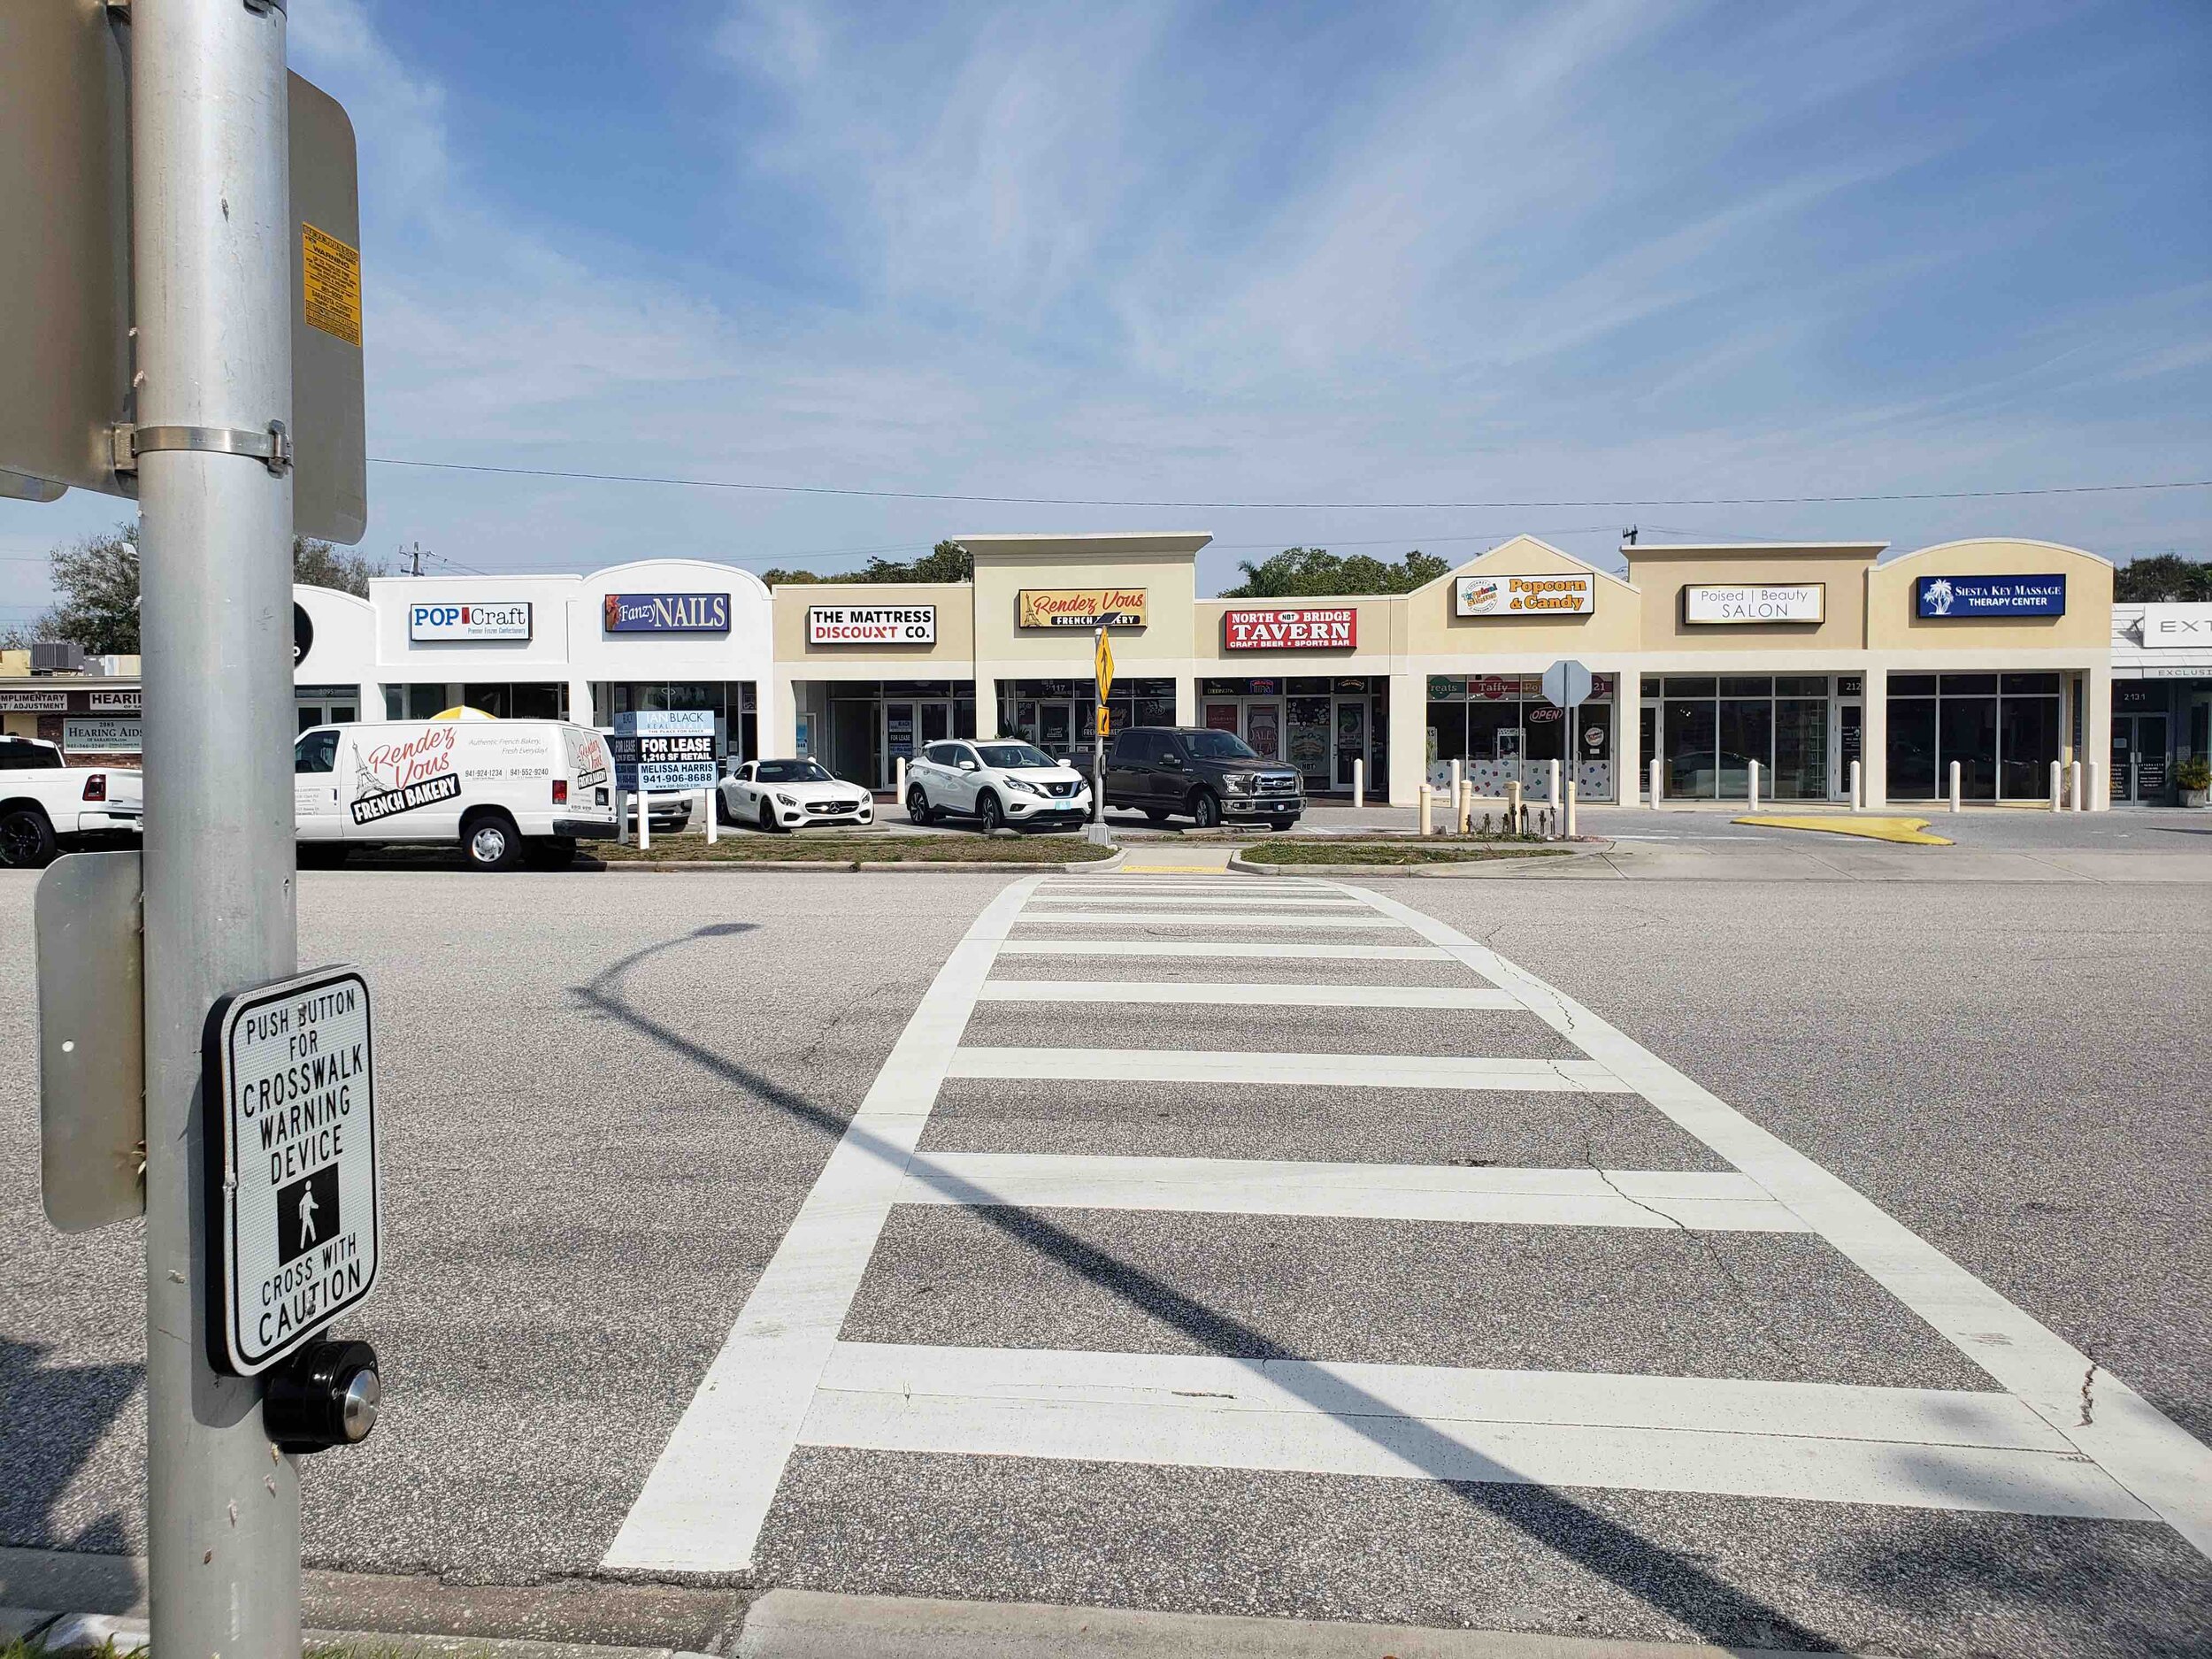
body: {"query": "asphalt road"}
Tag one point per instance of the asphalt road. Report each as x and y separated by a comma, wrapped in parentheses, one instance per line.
(610, 1094)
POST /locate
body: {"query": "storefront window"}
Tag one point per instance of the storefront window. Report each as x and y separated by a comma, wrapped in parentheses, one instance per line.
(2002, 731)
(1715, 726)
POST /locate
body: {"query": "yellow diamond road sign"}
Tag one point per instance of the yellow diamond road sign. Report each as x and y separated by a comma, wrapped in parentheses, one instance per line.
(1104, 663)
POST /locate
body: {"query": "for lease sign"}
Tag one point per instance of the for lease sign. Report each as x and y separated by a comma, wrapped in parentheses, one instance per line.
(469, 619)
(1300, 628)
(872, 625)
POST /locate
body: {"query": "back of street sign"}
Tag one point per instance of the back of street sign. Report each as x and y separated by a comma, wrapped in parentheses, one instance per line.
(66, 282)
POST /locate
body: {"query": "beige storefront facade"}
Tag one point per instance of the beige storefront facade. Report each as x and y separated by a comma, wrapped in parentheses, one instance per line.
(1992, 653)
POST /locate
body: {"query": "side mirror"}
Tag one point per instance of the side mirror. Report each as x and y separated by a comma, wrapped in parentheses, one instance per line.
(1171, 759)
(969, 765)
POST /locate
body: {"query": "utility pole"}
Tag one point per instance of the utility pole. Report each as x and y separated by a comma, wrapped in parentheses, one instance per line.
(213, 267)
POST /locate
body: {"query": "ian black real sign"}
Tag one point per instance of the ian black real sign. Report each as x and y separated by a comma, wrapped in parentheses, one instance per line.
(293, 1185)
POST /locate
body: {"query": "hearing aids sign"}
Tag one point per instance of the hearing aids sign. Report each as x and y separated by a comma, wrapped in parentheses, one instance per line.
(293, 1187)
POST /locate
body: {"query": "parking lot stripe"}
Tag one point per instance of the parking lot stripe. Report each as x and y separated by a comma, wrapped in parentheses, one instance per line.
(1357, 1071)
(1196, 993)
(1367, 920)
(702, 1506)
(1820, 1443)
(1693, 1200)
(1222, 950)
(2154, 1457)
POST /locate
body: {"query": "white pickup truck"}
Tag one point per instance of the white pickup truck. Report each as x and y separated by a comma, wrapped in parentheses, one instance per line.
(47, 805)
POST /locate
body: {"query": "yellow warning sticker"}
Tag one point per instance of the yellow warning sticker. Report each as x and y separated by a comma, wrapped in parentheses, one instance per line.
(330, 277)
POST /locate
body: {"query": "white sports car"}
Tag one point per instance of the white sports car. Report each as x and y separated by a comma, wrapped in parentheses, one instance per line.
(774, 795)
(998, 782)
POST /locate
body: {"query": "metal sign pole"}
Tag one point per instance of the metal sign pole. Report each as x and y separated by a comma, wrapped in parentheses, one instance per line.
(213, 230)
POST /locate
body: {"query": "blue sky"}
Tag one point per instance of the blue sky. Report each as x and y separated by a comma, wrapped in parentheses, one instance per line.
(1267, 253)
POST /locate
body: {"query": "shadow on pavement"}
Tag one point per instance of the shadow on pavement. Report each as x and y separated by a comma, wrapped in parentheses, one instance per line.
(1668, 1581)
(51, 1420)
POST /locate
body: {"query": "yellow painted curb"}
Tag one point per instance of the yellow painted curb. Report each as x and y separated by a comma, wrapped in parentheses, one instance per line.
(1910, 831)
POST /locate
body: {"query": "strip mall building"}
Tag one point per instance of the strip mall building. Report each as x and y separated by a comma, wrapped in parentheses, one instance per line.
(1996, 653)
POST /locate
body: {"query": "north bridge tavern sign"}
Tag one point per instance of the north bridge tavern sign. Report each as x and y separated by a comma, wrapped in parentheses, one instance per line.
(294, 1197)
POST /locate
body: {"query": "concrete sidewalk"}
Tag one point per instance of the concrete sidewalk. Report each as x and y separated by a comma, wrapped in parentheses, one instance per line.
(425, 1618)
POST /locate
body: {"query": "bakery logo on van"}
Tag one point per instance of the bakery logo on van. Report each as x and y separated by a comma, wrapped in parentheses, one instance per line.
(369, 808)
(469, 621)
(667, 613)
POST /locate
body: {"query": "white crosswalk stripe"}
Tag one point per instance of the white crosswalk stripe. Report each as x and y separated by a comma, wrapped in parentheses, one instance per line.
(784, 1378)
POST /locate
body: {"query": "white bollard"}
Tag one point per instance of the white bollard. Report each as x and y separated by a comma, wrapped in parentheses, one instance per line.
(1455, 778)
(1464, 812)
(644, 821)
(2073, 786)
(1513, 806)
(1858, 790)
(2058, 789)
(2095, 774)
(898, 776)
(1551, 785)
(707, 805)
(1954, 786)
(621, 817)
(1655, 785)
(1754, 785)
(1425, 797)
(1359, 784)
(1571, 808)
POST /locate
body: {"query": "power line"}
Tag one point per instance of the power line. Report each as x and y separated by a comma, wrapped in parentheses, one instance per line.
(1284, 506)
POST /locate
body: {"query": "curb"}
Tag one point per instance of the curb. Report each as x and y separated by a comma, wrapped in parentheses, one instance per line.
(1507, 868)
(847, 866)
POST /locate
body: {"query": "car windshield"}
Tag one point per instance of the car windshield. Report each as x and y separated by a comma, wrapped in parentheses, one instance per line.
(1219, 746)
(794, 771)
(1005, 755)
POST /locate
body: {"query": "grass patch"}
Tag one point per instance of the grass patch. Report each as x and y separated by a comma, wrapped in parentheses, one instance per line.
(906, 850)
(1428, 852)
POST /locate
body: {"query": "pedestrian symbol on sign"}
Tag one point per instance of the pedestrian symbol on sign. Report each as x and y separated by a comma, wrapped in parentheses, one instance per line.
(307, 1216)
(307, 1213)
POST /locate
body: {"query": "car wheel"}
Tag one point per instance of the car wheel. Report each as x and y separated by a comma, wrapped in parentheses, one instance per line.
(764, 820)
(992, 813)
(26, 840)
(918, 805)
(1204, 809)
(1156, 814)
(491, 843)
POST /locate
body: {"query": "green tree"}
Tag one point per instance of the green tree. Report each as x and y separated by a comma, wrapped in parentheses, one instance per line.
(946, 562)
(2163, 578)
(1314, 573)
(97, 578)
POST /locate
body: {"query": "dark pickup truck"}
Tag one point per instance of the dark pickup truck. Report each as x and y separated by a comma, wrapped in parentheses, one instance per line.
(1203, 775)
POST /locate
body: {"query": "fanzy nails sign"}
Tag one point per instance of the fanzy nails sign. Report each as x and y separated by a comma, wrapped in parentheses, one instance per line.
(667, 613)
(1306, 628)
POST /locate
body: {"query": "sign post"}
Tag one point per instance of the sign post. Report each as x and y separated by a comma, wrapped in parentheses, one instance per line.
(1567, 684)
(1103, 669)
(214, 305)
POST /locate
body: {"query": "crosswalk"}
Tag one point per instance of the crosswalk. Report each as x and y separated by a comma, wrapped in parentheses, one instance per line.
(788, 1378)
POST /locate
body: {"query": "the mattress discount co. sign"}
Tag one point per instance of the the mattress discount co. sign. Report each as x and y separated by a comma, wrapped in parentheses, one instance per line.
(872, 625)
(1080, 607)
(1712, 604)
(1305, 628)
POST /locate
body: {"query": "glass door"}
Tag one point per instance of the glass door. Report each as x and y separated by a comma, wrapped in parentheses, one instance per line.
(1263, 729)
(1351, 739)
(2139, 758)
(1850, 745)
(898, 741)
(1055, 728)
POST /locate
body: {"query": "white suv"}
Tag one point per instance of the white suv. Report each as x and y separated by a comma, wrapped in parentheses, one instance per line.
(997, 782)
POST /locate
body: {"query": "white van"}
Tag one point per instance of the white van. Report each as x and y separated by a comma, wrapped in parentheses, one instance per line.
(508, 791)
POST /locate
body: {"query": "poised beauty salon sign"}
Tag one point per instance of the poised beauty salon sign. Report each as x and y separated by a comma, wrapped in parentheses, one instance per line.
(1792, 602)
(1307, 628)
(1956, 596)
(1525, 595)
(1080, 607)
(872, 625)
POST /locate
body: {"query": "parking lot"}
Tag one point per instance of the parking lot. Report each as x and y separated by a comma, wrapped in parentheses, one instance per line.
(1090, 1206)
